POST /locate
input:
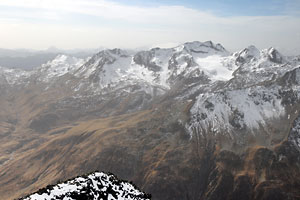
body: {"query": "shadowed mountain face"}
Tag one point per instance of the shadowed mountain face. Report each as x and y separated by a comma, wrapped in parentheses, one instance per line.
(190, 122)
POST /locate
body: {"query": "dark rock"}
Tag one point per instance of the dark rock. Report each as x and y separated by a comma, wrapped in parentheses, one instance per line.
(243, 189)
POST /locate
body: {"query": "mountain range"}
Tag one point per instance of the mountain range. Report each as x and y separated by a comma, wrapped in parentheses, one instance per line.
(190, 122)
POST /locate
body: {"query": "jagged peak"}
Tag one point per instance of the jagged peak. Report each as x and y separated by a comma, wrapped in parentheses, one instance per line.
(190, 46)
(247, 54)
(251, 50)
(274, 55)
(220, 46)
(112, 53)
(204, 47)
(107, 56)
(252, 53)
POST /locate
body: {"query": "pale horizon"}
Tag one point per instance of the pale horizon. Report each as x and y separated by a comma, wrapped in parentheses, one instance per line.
(135, 24)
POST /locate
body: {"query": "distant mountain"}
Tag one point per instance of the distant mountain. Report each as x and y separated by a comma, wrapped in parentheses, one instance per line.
(190, 122)
(26, 63)
(30, 59)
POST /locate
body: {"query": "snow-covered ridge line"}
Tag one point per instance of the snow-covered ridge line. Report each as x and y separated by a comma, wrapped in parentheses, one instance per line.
(95, 186)
(234, 90)
(158, 67)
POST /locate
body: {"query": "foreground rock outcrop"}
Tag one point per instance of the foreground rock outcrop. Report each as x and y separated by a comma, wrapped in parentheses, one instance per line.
(96, 186)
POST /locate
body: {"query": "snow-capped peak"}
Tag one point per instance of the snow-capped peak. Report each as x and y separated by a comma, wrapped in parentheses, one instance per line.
(207, 48)
(275, 56)
(251, 54)
(111, 54)
(247, 54)
(59, 66)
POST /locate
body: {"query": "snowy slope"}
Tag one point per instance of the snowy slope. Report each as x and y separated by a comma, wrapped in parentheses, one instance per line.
(94, 186)
(59, 66)
(215, 67)
(48, 72)
(254, 66)
(238, 109)
(254, 95)
(13, 76)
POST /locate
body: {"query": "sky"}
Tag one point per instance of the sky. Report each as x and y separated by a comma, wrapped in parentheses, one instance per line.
(69, 24)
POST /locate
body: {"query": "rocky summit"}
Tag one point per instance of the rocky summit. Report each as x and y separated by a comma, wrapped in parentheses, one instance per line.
(190, 122)
(97, 185)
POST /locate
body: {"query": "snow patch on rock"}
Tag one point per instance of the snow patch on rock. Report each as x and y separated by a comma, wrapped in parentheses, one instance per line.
(59, 66)
(95, 186)
(238, 109)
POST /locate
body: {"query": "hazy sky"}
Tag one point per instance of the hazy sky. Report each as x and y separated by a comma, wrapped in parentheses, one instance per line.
(39, 24)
